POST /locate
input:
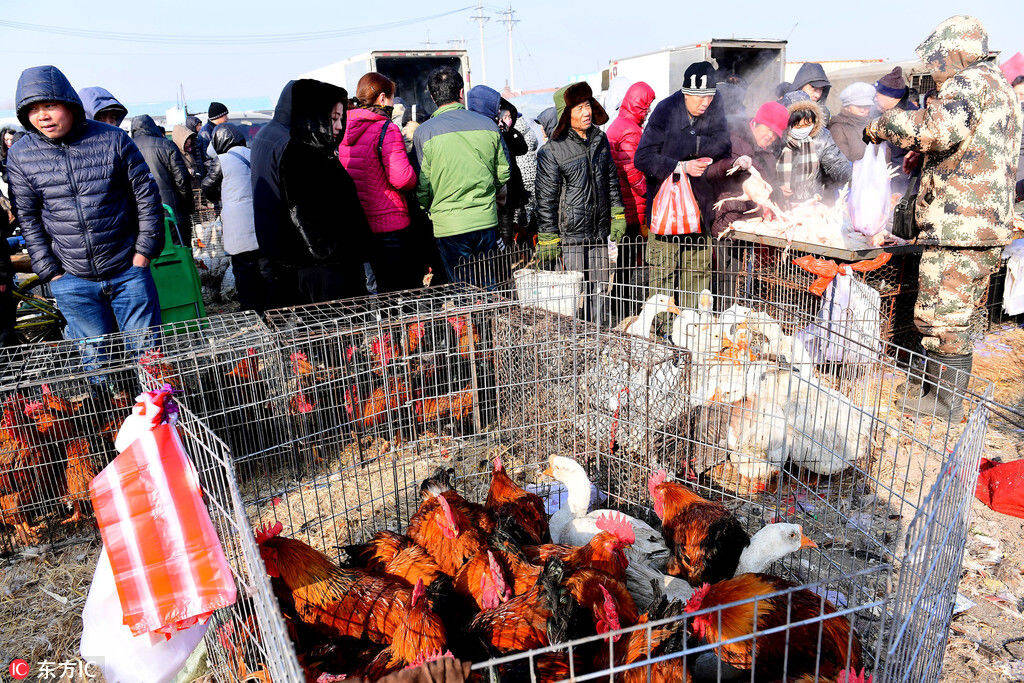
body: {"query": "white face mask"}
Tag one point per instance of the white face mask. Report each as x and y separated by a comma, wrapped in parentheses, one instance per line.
(800, 133)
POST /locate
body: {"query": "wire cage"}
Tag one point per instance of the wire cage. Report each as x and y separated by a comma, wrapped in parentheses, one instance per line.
(252, 631)
(885, 496)
(612, 285)
(64, 401)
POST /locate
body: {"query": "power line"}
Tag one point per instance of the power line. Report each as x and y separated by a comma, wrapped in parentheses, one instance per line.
(239, 39)
(481, 19)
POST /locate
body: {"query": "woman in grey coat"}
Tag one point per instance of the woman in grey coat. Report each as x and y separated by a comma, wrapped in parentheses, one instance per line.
(230, 177)
(811, 162)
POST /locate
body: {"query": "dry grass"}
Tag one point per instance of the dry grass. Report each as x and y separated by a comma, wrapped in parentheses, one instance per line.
(42, 593)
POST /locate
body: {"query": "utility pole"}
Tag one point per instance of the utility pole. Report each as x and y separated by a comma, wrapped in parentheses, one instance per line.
(481, 19)
(427, 42)
(509, 20)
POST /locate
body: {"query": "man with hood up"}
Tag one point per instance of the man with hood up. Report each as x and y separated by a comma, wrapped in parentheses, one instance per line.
(101, 106)
(811, 79)
(168, 168)
(489, 102)
(970, 140)
(185, 140)
(323, 237)
(89, 210)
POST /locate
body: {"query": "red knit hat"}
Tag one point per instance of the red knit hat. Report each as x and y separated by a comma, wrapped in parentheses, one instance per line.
(773, 115)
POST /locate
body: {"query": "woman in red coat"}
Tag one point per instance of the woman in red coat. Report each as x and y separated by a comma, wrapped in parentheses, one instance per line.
(624, 136)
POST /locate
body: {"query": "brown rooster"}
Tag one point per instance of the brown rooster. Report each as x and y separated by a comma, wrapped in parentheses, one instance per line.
(456, 406)
(525, 510)
(247, 369)
(67, 443)
(604, 552)
(351, 602)
(446, 532)
(396, 555)
(826, 647)
(159, 369)
(705, 539)
(642, 644)
(469, 338)
(24, 470)
(379, 406)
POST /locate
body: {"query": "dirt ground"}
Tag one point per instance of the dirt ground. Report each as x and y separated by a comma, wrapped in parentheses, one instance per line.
(986, 641)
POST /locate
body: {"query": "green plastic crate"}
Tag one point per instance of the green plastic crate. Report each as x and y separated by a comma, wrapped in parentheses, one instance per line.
(176, 277)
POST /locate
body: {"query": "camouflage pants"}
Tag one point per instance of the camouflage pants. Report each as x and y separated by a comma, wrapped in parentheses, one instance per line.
(951, 285)
(684, 267)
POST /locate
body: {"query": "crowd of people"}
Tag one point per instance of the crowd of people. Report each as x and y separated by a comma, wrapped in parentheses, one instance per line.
(338, 190)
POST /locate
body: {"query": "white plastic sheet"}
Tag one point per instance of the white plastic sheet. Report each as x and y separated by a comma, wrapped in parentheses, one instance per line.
(1013, 293)
(849, 327)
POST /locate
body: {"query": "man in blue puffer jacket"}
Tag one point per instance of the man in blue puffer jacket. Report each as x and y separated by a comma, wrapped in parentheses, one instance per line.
(89, 209)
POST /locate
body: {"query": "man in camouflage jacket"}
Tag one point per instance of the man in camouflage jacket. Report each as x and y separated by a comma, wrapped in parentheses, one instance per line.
(970, 141)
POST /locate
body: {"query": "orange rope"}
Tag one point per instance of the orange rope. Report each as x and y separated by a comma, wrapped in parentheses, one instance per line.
(827, 269)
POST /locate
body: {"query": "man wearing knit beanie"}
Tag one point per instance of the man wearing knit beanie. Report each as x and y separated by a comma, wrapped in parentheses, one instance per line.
(686, 133)
(754, 145)
(215, 115)
(847, 127)
(890, 89)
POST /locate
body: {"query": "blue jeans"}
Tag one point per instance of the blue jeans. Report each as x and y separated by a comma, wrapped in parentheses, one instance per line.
(464, 256)
(126, 302)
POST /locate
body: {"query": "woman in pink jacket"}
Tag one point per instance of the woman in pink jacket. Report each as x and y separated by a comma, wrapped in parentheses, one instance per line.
(373, 153)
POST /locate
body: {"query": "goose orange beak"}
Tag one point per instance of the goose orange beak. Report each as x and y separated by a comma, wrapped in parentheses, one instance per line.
(548, 472)
(674, 310)
(806, 542)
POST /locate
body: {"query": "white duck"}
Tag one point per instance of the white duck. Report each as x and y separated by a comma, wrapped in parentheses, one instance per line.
(696, 330)
(640, 325)
(772, 543)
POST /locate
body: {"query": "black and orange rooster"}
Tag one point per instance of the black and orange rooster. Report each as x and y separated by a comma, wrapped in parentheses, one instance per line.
(705, 539)
(525, 510)
(24, 469)
(446, 532)
(395, 555)
(824, 647)
(351, 603)
(67, 443)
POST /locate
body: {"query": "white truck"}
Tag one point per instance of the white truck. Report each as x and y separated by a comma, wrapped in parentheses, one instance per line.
(760, 63)
(407, 68)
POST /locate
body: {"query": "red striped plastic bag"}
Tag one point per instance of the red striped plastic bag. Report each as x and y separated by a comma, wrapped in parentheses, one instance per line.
(169, 567)
(675, 210)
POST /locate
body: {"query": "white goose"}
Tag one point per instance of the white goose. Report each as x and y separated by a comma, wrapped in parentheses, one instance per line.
(640, 325)
(772, 543)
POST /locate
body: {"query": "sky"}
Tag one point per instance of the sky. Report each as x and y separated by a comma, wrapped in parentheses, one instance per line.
(552, 41)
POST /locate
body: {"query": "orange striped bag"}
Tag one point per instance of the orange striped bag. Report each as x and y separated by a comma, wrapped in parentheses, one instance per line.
(675, 210)
(168, 564)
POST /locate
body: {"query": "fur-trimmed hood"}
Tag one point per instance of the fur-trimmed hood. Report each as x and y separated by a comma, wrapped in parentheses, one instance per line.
(569, 96)
(807, 105)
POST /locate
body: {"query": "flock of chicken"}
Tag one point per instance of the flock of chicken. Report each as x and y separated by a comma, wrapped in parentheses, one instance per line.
(45, 456)
(481, 581)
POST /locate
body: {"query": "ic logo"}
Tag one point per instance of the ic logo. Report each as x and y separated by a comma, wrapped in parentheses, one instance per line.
(18, 669)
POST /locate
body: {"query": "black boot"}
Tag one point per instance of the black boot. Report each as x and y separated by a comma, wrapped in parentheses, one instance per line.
(946, 399)
(922, 372)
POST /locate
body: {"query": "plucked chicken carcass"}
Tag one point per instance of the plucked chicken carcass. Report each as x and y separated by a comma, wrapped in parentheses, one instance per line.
(755, 189)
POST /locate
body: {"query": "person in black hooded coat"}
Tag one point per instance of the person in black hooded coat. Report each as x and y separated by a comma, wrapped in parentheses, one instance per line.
(324, 233)
(168, 168)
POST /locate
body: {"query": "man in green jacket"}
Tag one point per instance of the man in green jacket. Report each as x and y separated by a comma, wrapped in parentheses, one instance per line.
(463, 168)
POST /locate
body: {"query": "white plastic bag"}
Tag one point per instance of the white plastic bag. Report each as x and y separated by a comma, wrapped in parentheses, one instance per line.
(870, 200)
(1013, 293)
(110, 645)
(849, 327)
